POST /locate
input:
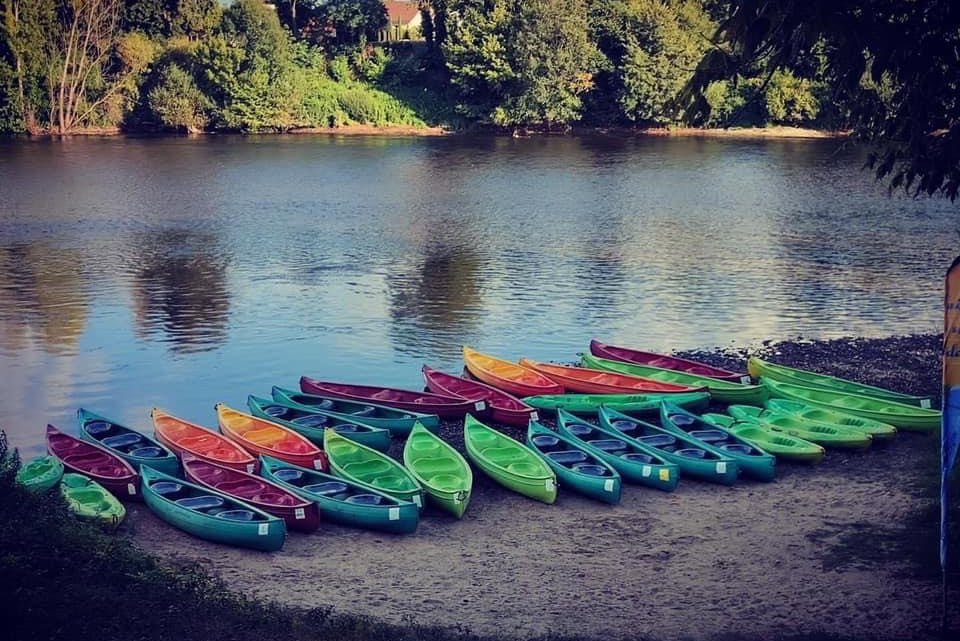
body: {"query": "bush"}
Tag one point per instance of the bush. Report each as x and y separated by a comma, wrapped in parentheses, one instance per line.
(11, 120)
(790, 99)
(361, 107)
(177, 103)
(339, 69)
(372, 66)
(736, 103)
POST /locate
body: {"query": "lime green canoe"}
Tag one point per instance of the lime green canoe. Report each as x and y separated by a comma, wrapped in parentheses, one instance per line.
(40, 474)
(819, 433)
(635, 404)
(509, 462)
(89, 501)
(781, 373)
(356, 462)
(440, 469)
(908, 417)
(723, 391)
(876, 429)
(776, 443)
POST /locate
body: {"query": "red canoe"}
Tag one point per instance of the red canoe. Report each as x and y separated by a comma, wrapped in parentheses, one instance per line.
(627, 355)
(100, 464)
(299, 514)
(584, 380)
(504, 408)
(443, 406)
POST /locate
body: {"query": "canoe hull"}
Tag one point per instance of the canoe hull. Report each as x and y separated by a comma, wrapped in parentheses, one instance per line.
(777, 443)
(72, 453)
(376, 437)
(877, 430)
(90, 501)
(450, 408)
(168, 430)
(627, 355)
(639, 404)
(476, 364)
(344, 454)
(606, 489)
(312, 457)
(40, 474)
(439, 469)
(396, 425)
(827, 436)
(573, 379)
(168, 464)
(477, 391)
(541, 488)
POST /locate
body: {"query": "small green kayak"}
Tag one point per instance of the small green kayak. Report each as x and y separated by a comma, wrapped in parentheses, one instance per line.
(343, 501)
(443, 473)
(634, 460)
(89, 501)
(588, 404)
(399, 422)
(753, 461)
(362, 464)
(819, 433)
(509, 462)
(876, 429)
(40, 474)
(688, 454)
(776, 443)
(781, 373)
(723, 391)
(908, 417)
(311, 423)
(577, 468)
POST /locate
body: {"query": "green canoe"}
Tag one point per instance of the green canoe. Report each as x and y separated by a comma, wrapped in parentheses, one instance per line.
(689, 455)
(210, 515)
(908, 417)
(876, 429)
(365, 465)
(577, 468)
(399, 422)
(133, 447)
(40, 474)
(723, 391)
(588, 404)
(776, 443)
(89, 501)
(443, 473)
(311, 423)
(635, 461)
(819, 433)
(751, 459)
(343, 501)
(783, 374)
(509, 462)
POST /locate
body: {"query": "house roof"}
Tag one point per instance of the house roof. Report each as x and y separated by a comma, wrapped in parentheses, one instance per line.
(401, 12)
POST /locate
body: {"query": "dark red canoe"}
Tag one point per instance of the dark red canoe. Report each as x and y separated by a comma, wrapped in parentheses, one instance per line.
(504, 408)
(100, 464)
(627, 355)
(443, 406)
(299, 514)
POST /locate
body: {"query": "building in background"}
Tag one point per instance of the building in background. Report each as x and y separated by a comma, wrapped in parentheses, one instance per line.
(405, 21)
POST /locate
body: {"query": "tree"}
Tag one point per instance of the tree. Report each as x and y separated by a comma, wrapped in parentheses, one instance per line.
(353, 22)
(176, 101)
(27, 33)
(196, 18)
(895, 64)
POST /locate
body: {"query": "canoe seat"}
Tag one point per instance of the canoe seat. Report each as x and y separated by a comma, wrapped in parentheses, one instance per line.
(288, 475)
(198, 503)
(264, 436)
(346, 428)
(122, 440)
(682, 420)
(275, 498)
(624, 426)
(241, 487)
(609, 444)
(328, 488)
(431, 466)
(592, 470)
(166, 488)
(363, 468)
(709, 436)
(447, 482)
(199, 443)
(504, 455)
(658, 440)
(235, 515)
(311, 420)
(98, 428)
(524, 468)
(278, 411)
(390, 481)
(638, 457)
(692, 452)
(365, 499)
(424, 445)
(545, 440)
(568, 456)
(579, 429)
(737, 448)
(149, 451)
(366, 410)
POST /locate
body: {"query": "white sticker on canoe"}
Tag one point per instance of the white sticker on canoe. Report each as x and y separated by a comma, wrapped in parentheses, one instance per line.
(722, 467)
(131, 490)
(263, 529)
(317, 464)
(608, 485)
(480, 406)
(925, 403)
(299, 514)
(646, 470)
(746, 380)
(394, 514)
(416, 499)
(250, 468)
(534, 416)
(550, 485)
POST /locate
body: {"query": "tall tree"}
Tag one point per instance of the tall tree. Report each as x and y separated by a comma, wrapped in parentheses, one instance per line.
(26, 32)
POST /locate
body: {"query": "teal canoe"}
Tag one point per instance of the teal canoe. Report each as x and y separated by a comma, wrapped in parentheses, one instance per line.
(907, 417)
(752, 460)
(819, 433)
(40, 474)
(781, 373)
(343, 501)
(509, 462)
(89, 501)
(135, 448)
(639, 404)
(635, 461)
(210, 515)
(311, 423)
(442, 472)
(576, 467)
(878, 431)
(689, 455)
(399, 422)
(777, 443)
(723, 391)
(365, 465)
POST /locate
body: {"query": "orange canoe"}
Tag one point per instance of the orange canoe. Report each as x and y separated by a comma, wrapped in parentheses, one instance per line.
(258, 436)
(510, 377)
(594, 381)
(183, 437)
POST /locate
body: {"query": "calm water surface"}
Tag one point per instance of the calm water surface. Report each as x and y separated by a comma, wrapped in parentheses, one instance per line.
(178, 273)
